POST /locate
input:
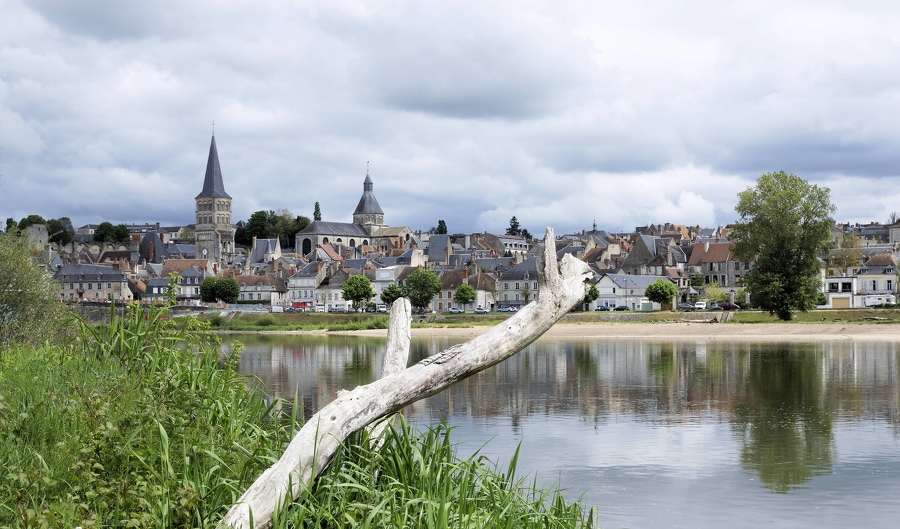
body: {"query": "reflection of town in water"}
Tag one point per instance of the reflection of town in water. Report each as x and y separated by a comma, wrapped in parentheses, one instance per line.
(781, 400)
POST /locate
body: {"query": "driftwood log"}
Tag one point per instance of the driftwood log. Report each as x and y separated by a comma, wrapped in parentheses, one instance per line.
(562, 286)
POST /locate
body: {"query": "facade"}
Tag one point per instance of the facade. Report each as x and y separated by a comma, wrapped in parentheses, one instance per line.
(713, 260)
(626, 290)
(92, 283)
(214, 235)
(518, 285)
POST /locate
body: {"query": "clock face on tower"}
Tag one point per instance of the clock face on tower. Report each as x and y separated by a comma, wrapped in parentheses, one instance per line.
(205, 251)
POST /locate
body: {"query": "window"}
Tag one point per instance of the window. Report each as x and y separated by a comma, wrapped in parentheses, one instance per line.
(517, 286)
(535, 286)
(833, 287)
(505, 286)
(890, 285)
(846, 287)
(109, 285)
(874, 285)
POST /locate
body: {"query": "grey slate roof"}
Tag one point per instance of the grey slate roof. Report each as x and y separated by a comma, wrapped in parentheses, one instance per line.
(367, 203)
(212, 182)
(345, 229)
(85, 272)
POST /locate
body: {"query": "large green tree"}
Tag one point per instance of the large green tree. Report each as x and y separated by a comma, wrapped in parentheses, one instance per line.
(358, 290)
(784, 227)
(514, 228)
(421, 286)
(661, 291)
(31, 220)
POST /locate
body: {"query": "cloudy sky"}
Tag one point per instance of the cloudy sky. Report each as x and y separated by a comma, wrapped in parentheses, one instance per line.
(560, 113)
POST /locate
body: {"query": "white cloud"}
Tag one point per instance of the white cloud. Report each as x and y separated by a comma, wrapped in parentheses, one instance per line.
(626, 113)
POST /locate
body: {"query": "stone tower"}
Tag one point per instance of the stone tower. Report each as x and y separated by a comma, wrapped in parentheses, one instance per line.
(368, 213)
(213, 233)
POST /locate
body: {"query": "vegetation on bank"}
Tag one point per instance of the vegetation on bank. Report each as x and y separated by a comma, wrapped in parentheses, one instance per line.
(137, 423)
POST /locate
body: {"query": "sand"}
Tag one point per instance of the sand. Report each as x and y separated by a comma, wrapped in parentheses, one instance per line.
(797, 332)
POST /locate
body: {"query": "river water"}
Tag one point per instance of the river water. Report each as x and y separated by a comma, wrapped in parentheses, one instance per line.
(656, 433)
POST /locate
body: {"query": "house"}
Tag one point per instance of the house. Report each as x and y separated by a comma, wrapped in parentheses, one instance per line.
(302, 286)
(266, 289)
(715, 262)
(518, 285)
(626, 290)
(91, 282)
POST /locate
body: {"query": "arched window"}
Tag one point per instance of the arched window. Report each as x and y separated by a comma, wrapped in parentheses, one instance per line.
(324, 240)
(307, 246)
(353, 243)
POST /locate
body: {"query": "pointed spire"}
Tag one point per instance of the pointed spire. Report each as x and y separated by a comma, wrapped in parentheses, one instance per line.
(367, 203)
(212, 182)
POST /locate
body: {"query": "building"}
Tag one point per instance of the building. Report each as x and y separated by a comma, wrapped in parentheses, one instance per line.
(213, 233)
(90, 282)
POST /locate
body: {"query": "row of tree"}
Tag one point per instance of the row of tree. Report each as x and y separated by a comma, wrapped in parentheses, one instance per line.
(62, 232)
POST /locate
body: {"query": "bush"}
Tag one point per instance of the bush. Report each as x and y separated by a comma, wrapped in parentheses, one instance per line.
(266, 321)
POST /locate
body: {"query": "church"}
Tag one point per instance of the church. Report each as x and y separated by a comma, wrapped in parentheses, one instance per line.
(365, 234)
(214, 232)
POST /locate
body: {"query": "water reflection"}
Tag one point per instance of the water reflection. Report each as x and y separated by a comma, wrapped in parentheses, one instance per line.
(645, 422)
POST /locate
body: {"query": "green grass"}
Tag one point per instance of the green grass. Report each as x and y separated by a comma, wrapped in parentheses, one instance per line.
(138, 423)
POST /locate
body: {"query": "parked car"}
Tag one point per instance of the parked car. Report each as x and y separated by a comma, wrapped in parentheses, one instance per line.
(700, 305)
(621, 307)
(685, 306)
(729, 306)
(603, 307)
(455, 310)
(506, 309)
(480, 310)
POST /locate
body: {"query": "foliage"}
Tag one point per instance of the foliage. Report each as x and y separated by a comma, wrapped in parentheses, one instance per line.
(391, 293)
(464, 294)
(420, 287)
(714, 292)
(10, 224)
(29, 311)
(661, 291)
(514, 228)
(208, 290)
(441, 228)
(132, 424)
(592, 294)
(61, 230)
(785, 225)
(228, 290)
(697, 281)
(214, 289)
(358, 290)
(848, 253)
(317, 212)
(31, 220)
(106, 232)
(267, 224)
(416, 480)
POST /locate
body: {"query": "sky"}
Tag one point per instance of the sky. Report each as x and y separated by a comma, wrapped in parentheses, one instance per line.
(561, 113)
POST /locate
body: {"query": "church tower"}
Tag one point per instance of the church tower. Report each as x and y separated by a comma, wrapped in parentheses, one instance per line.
(213, 233)
(368, 213)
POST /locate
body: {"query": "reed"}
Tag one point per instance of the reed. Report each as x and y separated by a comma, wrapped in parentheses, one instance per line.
(138, 423)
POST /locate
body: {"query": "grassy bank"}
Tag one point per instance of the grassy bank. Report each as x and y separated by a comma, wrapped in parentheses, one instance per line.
(137, 424)
(309, 321)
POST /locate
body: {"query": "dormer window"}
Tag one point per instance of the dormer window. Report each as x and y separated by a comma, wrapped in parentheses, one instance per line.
(889, 270)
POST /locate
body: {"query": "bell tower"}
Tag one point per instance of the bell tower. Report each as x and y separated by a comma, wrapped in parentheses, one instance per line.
(213, 233)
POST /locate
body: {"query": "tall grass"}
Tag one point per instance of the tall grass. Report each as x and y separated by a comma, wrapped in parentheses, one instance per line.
(137, 423)
(415, 480)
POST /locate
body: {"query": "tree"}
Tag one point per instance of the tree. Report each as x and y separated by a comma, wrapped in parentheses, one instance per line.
(514, 228)
(893, 218)
(784, 226)
(106, 232)
(10, 224)
(421, 286)
(441, 227)
(525, 234)
(317, 212)
(697, 281)
(848, 254)
(29, 311)
(391, 293)
(208, 290)
(227, 290)
(661, 291)
(61, 230)
(31, 220)
(591, 295)
(261, 225)
(358, 290)
(464, 294)
(714, 292)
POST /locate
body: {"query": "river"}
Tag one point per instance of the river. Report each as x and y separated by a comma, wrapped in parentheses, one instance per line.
(655, 433)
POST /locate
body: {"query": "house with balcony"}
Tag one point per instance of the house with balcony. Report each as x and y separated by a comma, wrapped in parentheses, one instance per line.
(626, 290)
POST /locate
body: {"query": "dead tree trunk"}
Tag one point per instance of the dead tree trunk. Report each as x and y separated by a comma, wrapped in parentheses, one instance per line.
(562, 285)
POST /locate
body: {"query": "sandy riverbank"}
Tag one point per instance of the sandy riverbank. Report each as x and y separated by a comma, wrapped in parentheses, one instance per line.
(689, 331)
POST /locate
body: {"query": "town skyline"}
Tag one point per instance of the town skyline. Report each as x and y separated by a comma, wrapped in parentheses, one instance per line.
(559, 115)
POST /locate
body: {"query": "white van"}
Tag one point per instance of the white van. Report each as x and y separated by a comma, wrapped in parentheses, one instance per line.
(700, 305)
